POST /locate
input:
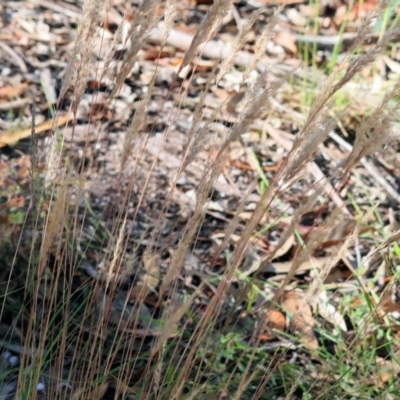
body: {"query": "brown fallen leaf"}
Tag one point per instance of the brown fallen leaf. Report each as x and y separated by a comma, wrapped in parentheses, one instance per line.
(385, 371)
(359, 11)
(390, 298)
(389, 301)
(100, 111)
(275, 320)
(301, 318)
(286, 40)
(150, 279)
(96, 85)
(18, 201)
(12, 136)
(7, 92)
(284, 249)
(154, 54)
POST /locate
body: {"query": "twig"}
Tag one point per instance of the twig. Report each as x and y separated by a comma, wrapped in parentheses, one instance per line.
(285, 266)
(312, 167)
(373, 171)
(20, 62)
(12, 136)
(327, 41)
(67, 9)
(214, 49)
(329, 189)
(331, 41)
(14, 104)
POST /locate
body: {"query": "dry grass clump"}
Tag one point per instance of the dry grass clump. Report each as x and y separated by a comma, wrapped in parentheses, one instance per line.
(87, 337)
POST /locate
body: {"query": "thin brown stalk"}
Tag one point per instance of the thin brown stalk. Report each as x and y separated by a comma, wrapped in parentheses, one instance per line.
(192, 226)
(207, 29)
(171, 12)
(172, 317)
(261, 43)
(144, 21)
(238, 45)
(135, 127)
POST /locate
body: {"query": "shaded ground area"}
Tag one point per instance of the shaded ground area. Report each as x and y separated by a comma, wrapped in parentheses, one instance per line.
(146, 207)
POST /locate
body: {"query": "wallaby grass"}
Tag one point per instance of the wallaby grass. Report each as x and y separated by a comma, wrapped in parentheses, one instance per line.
(84, 330)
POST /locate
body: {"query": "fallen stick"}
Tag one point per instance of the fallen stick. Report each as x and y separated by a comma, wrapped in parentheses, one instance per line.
(215, 49)
(12, 136)
(312, 167)
(379, 178)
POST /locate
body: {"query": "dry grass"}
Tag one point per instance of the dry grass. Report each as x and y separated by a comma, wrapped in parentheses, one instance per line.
(79, 344)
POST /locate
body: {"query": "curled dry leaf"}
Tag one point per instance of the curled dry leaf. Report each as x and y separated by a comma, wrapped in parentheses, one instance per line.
(285, 247)
(149, 280)
(301, 318)
(286, 40)
(276, 320)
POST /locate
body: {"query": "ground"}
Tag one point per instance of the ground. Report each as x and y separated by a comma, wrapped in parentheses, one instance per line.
(96, 272)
